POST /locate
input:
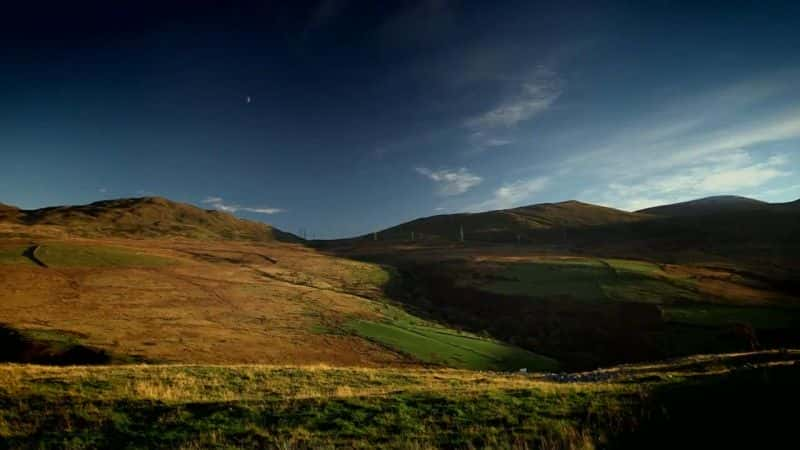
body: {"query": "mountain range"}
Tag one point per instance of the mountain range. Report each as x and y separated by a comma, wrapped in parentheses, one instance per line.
(703, 222)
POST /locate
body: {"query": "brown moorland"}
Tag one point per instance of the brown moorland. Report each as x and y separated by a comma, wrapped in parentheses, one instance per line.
(199, 302)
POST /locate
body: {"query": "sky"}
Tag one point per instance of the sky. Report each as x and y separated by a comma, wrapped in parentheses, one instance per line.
(342, 117)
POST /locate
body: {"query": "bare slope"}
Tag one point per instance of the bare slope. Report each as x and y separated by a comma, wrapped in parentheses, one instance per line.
(142, 218)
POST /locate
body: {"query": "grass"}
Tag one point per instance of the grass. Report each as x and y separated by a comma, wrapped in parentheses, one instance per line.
(249, 406)
(634, 267)
(587, 279)
(66, 255)
(718, 315)
(579, 279)
(369, 274)
(446, 347)
(432, 343)
(190, 407)
(639, 289)
(54, 338)
(14, 255)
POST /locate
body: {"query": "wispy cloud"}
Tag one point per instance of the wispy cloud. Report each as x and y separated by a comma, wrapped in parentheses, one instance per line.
(264, 210)
(513, 194)
(533, 97)
(496, 142)
(451, 182)
(793, 190)
(481, 140)
(720, 122)
(530, 97)
(708, 144)
(734, 172)
(219, 204)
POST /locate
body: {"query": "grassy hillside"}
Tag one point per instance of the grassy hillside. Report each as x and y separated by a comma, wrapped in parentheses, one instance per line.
(218, 302)
(9, 213)
(744, 402)
(143, 218)
(586, 311)
(448, 347)
(506, 225)
(753, 235)
(65, 255)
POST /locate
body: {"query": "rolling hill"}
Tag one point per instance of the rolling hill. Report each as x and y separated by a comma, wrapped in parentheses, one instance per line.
(145, 217)
(728, 217)
(592, 286)
(723, 204)
(730, 228)
(9, 213)
(106, 283)
(239, 339)
(508, 224)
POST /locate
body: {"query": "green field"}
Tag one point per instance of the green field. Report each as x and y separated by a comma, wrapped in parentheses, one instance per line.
(65, 255)
(449, 348)
(590, 280)
(720, 316)
(578, 279)
(628, 266)
(14, 255)
(252, 406)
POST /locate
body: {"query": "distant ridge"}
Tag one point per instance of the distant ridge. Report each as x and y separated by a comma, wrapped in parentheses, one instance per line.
(507, 224)
(145, 217)
(708, 205)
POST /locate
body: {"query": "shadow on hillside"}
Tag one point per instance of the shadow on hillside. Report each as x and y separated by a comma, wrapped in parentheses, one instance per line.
(581, 335)
(747, 408)
(578, 333)
(18, 348)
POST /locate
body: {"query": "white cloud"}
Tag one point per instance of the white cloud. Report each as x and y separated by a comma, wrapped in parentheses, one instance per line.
(717, 142)
(533, 97)
(264, 210)
(226, 208)
(451, 182)
(102, 190)
(219, 204)
(719, 121)
(513, 194)
(480, 141)
(495, 142)
(734, 172)
(781, 193)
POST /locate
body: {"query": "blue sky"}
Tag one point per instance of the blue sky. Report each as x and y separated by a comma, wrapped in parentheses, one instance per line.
(342, 117)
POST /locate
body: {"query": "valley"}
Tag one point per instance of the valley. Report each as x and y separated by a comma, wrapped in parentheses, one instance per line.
(528, 341)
